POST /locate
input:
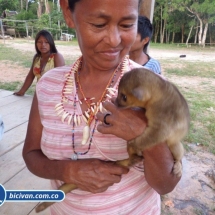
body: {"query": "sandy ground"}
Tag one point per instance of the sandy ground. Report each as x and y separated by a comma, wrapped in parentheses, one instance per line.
(195, 193)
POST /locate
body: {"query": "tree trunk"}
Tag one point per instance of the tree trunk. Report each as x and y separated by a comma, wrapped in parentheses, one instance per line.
(163, 31)
(21, 6)
(200, 29)
(173, 37)
(204, 34)
(189, 35)
(156, 32)
(167, 36)
(182, 34)
(26, 5)
(161, 25)
(41, 8)
(47, 7)
(195, 41)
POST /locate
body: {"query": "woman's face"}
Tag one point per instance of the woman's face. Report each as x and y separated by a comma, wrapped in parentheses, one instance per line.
(105, 30)
(43, 45)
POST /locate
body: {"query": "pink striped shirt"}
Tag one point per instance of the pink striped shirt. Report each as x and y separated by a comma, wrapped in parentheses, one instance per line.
(132, 196)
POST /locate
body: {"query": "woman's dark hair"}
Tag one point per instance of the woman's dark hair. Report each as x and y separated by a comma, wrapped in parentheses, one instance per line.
(73, 2)
(49, 38)
(145, 29)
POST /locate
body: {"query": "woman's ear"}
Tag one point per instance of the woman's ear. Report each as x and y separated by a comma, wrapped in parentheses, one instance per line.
(67, 13)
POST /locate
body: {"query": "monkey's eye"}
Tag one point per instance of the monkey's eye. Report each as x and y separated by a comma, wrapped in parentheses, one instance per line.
(124, 97)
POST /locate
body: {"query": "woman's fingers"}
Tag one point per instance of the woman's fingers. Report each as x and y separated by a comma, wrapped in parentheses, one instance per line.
(109, 106)
(105, 118)
(124, 123)
(100, 174)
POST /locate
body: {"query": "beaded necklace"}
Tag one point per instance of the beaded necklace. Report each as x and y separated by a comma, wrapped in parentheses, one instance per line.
(89, 114)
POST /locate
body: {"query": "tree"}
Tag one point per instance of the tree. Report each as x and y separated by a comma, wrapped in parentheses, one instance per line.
(8, 4)
(203, 10)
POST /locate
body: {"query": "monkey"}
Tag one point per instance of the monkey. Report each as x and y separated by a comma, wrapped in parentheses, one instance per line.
(166, 110)
(167, 113)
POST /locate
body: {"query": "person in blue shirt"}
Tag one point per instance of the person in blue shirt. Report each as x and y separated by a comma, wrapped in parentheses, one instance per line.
(138, 50)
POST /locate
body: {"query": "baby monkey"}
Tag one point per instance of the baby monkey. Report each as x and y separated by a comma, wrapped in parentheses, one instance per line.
(167, 113)
(166, 110)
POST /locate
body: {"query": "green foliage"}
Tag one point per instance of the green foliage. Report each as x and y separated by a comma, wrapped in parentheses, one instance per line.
(14, 86)
(26, 15)
(56, 16)
(44, 21)
(8, 4)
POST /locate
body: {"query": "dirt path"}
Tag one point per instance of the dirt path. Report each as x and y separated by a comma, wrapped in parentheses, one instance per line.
(195, 193)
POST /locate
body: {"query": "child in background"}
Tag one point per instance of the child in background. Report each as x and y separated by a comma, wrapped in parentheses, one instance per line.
(138, 50)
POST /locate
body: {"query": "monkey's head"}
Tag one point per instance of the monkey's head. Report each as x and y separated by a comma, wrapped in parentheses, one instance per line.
(132, 91)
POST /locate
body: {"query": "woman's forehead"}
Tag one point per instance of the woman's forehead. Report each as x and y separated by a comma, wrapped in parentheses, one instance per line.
(128, 9)
(41, 37)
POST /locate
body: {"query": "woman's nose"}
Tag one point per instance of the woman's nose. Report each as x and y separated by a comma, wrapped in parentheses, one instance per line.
(113, 37)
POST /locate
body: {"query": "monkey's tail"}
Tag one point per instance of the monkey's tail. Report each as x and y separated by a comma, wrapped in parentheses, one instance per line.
(66, 188)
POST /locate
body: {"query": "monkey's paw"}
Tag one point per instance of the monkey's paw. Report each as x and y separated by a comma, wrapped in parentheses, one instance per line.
(177, 169)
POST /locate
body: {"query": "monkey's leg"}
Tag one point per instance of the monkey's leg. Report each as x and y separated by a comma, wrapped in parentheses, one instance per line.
(66, 188)
(133, 157)
(177, 151)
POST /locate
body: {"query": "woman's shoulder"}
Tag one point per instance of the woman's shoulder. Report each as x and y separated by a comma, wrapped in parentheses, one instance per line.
(36, 57)
(58, 59)
(57, 54)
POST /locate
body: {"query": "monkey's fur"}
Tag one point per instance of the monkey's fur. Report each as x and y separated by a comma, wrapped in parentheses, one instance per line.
(167, 113)
(166, 109)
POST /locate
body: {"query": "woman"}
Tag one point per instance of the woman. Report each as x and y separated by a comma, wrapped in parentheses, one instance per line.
(66, 142)
(46, 58)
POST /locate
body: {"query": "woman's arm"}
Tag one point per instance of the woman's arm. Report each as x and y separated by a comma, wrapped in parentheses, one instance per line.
(158, 160)
(28, 81)
(58, 60)
(158, 165)
(91, 175)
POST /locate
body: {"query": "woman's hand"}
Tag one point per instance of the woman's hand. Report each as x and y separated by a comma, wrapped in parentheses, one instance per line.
(93, 175)
(124, 123)
(18, 93)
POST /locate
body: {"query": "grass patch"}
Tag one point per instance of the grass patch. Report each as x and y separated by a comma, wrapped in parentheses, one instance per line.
(15, 86)
(176, 46)
(202, 111)
(16, 56)
(74, 42)
(203, 69)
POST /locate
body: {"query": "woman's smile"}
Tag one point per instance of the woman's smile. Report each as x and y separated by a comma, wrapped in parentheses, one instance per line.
(110, 54)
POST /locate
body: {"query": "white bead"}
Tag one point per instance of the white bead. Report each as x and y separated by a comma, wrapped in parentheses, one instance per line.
(74, 157)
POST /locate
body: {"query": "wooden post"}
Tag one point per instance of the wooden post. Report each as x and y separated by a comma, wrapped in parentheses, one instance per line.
(2, 29)
(147, 9)
(26, 27)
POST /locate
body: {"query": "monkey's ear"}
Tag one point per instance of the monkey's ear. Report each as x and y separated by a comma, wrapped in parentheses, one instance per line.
(138, 93)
